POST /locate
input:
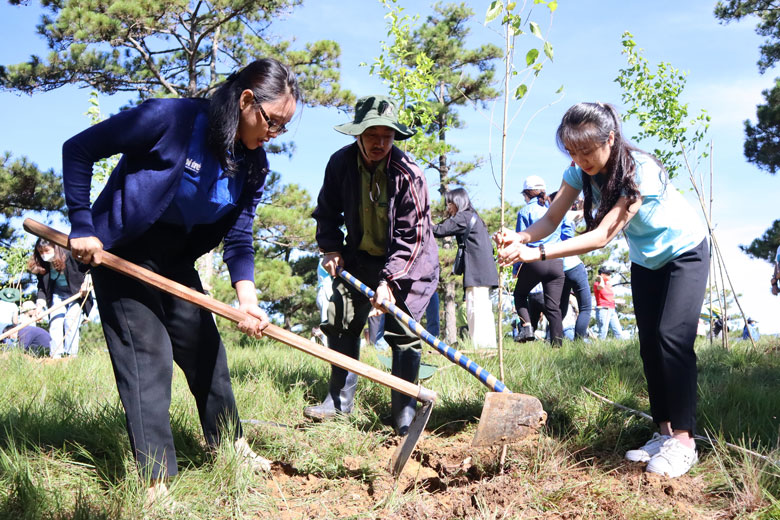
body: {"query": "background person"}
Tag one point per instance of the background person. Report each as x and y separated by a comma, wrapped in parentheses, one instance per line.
(751, 330)
(380, 196)
(625, 189)
(34, 340)
(191, 175)
(548, 271)
(59, 278)
(575, 275)
(776, 275)
(479, 267)
(9, 310)
(606, 313)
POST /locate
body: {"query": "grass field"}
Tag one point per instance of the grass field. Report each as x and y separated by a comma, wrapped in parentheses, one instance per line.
(64, 452)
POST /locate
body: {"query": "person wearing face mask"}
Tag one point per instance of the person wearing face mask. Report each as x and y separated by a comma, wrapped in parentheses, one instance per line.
(59, 278)
(380, 196)
(190, 177)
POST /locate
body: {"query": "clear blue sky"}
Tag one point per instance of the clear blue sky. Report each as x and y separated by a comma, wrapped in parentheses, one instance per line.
(720, 60)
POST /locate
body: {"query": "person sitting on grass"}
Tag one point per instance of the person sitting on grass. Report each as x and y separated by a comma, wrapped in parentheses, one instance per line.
(626, 189)
(34, 340)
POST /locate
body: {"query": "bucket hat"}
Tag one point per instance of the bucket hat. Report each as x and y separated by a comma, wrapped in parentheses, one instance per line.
(28, 305)
(375, 111)
(9, 294)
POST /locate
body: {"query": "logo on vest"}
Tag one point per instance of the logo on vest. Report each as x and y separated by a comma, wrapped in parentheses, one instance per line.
(192, 165)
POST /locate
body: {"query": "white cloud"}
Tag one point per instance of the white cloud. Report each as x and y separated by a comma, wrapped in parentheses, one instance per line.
(731, 103)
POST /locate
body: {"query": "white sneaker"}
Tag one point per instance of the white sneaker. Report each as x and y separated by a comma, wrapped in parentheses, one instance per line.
(650, 449)
(250, 458)
(674, 459)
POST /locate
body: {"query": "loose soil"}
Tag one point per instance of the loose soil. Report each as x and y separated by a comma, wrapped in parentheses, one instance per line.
(446, 478)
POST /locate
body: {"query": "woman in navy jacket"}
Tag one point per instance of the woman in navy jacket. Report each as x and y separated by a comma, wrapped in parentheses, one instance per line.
(190, 177)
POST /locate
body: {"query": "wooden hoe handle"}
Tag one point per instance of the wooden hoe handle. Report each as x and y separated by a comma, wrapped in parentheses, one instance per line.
(226, 311)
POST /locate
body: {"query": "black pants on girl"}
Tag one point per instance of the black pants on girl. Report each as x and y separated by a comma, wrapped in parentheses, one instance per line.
(146, 331)
(667, 304)
(550, 273)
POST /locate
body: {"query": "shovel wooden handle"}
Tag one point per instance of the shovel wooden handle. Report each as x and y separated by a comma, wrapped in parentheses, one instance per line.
(450, 353)
(40, 316)
(226, 311)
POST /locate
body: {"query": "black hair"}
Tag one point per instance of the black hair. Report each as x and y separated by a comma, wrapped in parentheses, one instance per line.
(38, 266)
(269, 80)
(460, 198)
(588, 124)
(540, 195)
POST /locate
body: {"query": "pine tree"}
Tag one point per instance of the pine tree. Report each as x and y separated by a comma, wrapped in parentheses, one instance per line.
(463, 77)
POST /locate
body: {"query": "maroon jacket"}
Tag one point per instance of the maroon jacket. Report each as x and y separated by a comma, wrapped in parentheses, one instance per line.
(412, 262)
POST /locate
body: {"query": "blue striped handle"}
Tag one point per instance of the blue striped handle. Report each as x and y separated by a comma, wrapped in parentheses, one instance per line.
(450, 353)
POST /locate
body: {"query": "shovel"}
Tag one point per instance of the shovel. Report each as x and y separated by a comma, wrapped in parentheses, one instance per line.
(427, 397)
(506, 417)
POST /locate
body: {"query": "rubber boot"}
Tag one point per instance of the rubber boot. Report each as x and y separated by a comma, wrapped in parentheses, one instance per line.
(406, 365)
(342, 386)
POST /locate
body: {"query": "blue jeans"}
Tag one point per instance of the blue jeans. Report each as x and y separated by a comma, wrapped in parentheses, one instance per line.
(607, 318)
(576, 279)
(432, 316)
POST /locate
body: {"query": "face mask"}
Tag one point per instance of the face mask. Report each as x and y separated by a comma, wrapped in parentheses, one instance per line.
(47, 257)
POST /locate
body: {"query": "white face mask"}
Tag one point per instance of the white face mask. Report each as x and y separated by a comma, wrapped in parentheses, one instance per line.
(47, 257)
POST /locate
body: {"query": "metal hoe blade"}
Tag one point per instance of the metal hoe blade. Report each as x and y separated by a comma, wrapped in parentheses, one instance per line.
(508, 417)
(407, 446)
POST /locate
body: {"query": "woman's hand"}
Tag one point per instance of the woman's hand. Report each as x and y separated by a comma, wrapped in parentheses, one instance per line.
(517, 252)
(87, 250)
(86, 286)
(506, 237)
(256, 320)
(331, 262)
(383, 293)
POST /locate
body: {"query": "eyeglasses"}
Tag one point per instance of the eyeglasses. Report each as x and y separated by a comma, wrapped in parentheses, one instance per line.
(273, 126)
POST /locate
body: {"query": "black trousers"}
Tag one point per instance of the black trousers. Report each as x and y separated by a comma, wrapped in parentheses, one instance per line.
(550, 273)
(146, 331)
(667, 304)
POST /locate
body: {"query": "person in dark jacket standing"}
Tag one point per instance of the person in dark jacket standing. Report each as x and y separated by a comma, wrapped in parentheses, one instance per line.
(374, 190)
(59, 278)
(479, 268)
(191, 175)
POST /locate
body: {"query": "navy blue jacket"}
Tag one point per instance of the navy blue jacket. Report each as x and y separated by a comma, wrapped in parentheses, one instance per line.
(154, 139)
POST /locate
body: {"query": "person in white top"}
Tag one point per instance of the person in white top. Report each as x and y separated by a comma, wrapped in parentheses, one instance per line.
(626, 189)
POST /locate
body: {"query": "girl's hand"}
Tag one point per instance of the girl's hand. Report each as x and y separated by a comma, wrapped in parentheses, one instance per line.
(256, 321)
(506, 237)
(517, 252)
(331, 262)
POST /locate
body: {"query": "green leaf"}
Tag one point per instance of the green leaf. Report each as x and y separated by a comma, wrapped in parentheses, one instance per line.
(548, 50)
(510, 6)
(536, 31)
(553, 5)
(531, 56)
(559, 90)
(493, 11)
(521, 91)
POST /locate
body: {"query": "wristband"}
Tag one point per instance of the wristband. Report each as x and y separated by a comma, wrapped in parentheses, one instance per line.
(542, 251)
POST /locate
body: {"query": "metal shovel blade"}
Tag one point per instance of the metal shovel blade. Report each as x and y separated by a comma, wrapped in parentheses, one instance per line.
(407, 446)
(508, 417)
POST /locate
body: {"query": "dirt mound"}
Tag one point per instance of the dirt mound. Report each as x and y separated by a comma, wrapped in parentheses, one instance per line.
(447, 478)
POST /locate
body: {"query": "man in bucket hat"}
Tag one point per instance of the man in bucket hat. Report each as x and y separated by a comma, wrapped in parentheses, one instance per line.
(380, 196)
